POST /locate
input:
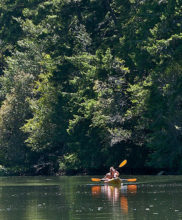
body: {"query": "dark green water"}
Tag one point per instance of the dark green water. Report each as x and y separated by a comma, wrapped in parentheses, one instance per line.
(72, 198)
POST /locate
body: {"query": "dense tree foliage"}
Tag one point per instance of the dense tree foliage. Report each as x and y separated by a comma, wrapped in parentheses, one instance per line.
(87, 83)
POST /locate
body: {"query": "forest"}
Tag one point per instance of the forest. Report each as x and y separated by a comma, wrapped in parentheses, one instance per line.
(85, 84)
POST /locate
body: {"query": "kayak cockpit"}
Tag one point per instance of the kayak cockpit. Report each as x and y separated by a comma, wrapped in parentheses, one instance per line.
(114, 181)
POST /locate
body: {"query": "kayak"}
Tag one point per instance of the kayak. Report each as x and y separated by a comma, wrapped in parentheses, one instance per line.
(115, 181)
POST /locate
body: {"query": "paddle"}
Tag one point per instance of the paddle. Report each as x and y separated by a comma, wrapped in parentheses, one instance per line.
(123, 163)
(120, 165)
(98, 180)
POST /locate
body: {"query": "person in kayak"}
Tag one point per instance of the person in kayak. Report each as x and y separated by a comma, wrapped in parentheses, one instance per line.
(112, 174)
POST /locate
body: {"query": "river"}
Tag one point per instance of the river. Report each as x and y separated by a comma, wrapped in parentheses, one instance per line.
(77, 197)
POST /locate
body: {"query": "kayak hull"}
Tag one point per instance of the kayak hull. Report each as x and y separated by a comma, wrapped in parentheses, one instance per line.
(114, 181)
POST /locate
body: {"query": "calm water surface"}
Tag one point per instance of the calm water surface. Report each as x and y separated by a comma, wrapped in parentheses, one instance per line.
(72, 198)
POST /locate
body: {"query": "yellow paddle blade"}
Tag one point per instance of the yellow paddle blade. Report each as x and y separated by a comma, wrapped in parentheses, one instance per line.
(131, 180)
(95, 179)
(123, 163)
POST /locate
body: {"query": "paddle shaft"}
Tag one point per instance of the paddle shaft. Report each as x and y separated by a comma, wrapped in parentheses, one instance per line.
(98, 180)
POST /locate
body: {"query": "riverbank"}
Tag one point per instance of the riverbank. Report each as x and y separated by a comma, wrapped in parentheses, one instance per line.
(17, 171)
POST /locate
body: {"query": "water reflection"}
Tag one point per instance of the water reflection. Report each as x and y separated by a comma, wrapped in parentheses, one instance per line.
(96, 190)
(115, 194)
(76, 198)
(124, 204)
